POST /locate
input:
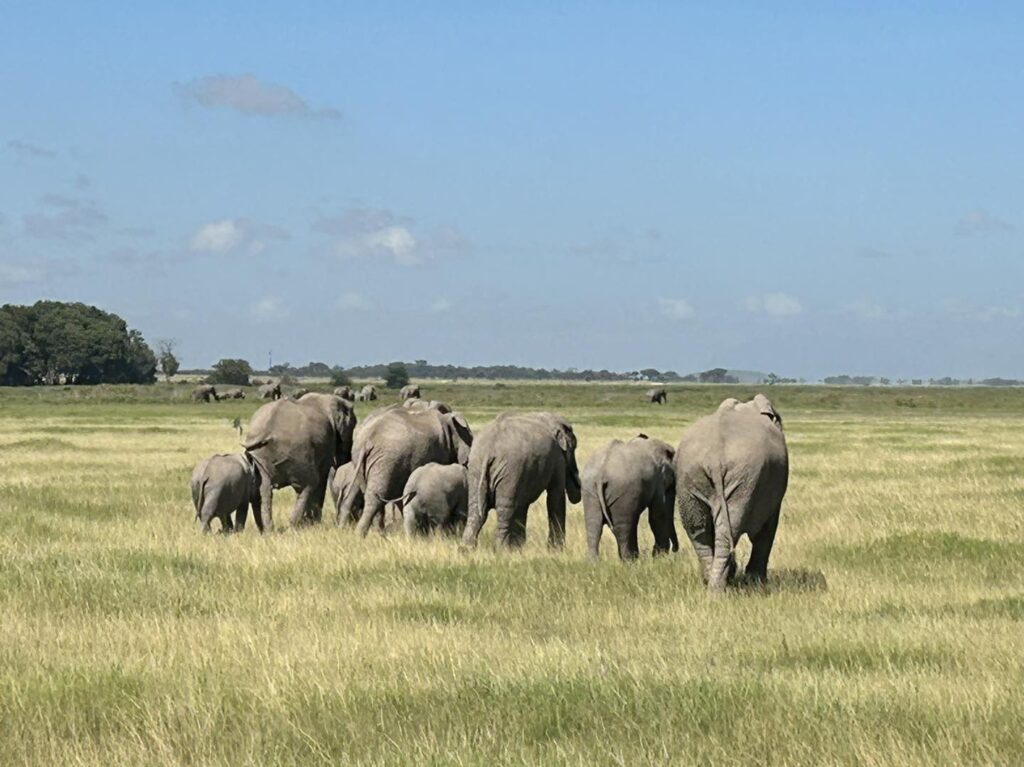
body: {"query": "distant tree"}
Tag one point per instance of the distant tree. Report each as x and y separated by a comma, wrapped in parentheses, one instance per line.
(169, 364)
(339, 377)
(650, 374)
(421, 363)
(715, 375)
(884, 381)
(316, 370)
(772, 379)
(230, 371)
(397, 375)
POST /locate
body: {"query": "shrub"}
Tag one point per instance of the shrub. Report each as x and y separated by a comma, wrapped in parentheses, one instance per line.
(230, 371)
(397, 375)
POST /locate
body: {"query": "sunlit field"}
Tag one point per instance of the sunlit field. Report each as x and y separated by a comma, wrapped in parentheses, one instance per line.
(891, 631)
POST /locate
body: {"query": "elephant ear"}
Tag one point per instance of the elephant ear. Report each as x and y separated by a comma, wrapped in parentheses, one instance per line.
(765, 407)
(641, 435)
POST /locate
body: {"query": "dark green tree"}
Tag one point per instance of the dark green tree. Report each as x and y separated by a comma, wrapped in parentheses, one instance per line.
(230, 371)
(168, 362)
(397, 375)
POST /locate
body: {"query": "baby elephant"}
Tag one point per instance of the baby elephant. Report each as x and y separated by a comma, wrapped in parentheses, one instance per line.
(222, 484)
(622, 480)
(338, 484)
(436, 496)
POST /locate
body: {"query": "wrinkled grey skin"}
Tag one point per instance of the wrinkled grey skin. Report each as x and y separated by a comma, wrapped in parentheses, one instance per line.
(732, 469)
(619, 482)
(657, 395)
(426, 404)
(270, 391)
(514, 459)
(204, 393)
(390, 444)
(295, 443)
(367, 394)
(233, 394)
(299, 393)
(338, 483)
(222, 484)
(436, 497)
(409, 391)
(345, 392)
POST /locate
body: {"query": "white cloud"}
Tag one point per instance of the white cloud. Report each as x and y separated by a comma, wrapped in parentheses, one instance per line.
(774, 304)
(269, 308)
(351, 302)
(440, 305)
(13, 274)
(248, 95)
(377, 233)
(867, 310)
(981, 222)
(675, 308)
(993, 313)
(231, 234)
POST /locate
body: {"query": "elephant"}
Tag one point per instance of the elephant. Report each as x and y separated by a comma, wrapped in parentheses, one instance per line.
(233, 394)
(622, 480)
(338, 484)
(367, 394)
(204, 393)
(732, 469)
(345, 392)
(426, 404)
(295, 443)
(409, 391)
(436, 497)
(270, 391)
(222, 484)
(299, 393)
(390, 444)
(657, 395)
(514, 459)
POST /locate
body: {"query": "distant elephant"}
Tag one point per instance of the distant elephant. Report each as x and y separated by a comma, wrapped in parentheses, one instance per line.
(409, 391)
(657, 395)
(389, 445)
(368, 393)
(270, 391)
(204, 393)
(345, 392)
(222, 484)
(299, 393)
(233, 394)
(340, 480)
(295, 443)
(732, 469)
(436, 497)
(619, 482)
(514, 459)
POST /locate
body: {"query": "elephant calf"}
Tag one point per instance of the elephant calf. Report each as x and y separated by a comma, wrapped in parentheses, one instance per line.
(436, 496)
(222, 484)
(622, 480)
(339, 483)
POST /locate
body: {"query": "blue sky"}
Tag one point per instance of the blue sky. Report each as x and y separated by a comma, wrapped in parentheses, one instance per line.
(801, 189)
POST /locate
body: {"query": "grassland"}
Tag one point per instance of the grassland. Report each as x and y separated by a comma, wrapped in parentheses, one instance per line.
(892, 632)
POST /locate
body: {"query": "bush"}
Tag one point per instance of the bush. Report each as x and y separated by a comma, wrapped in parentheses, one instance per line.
(339, 377)
(397, 376)
(229, 371)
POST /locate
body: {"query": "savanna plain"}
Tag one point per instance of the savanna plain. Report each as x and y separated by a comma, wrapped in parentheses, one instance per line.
(891, 631)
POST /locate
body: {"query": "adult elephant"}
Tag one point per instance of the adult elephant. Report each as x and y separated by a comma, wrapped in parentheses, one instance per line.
(657, 395)
(514, 459)
(368, 393)
(409, 391)
(732, 469)
(204, 393)
(345, 392)
(270, 391)
(620, 481)
(295, 443)
(389, 445)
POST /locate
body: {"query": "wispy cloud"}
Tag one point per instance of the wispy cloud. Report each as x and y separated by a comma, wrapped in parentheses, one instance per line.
(873, 254)
(64, 218)
(353, 302)
(377, 233)
(774, 305)
(25, 149)
(623, 247)
(675, 308)
(867, 310)
(269, 308)
(981, 222)
(17, 274)
(440, 306)
(248, 95)
(235, 234)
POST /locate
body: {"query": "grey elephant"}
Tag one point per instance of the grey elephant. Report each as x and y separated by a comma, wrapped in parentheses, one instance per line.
(299, 393)
(389, 445)
(619, 482)
(409, 391)
(295, 443)
(233, 394)
(514, 459)
(426, 404)
(338, 483)
(270, 391)
(436, 497)
(345, 392)
(368, 393)
(204, 393)
(732, 469)
(658, 395)
(222, 485)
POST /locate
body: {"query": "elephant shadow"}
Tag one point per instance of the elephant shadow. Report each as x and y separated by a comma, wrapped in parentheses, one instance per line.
(784, 581)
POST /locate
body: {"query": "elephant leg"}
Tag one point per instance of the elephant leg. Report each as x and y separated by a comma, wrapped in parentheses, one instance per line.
(474, 521)
(594, 521)
(266, 505)
(373, 507)
(659, 516)
(556, 514)
(241, 515)
(625, 537)
(409, 522)
(761, 549)
(511, 532)
(696, 520)
(225, 523)
(206, 517)
(723, 564)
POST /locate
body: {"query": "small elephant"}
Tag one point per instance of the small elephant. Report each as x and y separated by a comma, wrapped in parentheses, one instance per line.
(409, 391)
(222, 484)
(622, 480)
(270, 391)
(345, 392)
(732, 470)
(299, 393)
(368, 393)
(657, 395)
(204, 393)
(338, 484)
(436, 497)
(233, 394)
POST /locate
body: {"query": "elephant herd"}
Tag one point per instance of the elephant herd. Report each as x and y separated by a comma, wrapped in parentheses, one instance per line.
(728, 476)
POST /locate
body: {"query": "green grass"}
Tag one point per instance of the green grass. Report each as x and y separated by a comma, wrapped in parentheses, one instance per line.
(890, 631)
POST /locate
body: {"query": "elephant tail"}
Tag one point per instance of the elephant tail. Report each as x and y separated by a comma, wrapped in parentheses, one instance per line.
(199, 495)
(721, 498)
(673, 540)
(602, 501)
(483, 487)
